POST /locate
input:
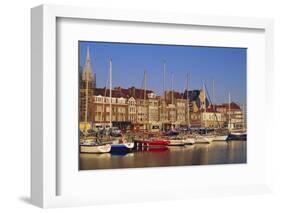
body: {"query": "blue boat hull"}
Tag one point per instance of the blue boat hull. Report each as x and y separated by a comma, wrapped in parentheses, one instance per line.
(119, 148)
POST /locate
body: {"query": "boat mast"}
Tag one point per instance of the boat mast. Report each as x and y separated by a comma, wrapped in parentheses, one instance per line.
(144, 85)
(144, 94)
(187, 100)
(229, 101)
(243, 116)
(213, 100)
(213, 93)
(86, 108)
(164, 80)
(164, 95)
(205, 104)
(110, 92)
(103, 114)
(172, 88)
(87, 88)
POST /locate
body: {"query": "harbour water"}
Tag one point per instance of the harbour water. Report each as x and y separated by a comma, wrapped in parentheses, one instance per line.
(230, 152)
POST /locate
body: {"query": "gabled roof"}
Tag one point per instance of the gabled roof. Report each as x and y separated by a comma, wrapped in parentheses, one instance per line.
(233, 106)
(119, 92)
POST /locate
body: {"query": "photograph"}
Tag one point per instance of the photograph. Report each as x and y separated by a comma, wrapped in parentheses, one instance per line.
(158, 105)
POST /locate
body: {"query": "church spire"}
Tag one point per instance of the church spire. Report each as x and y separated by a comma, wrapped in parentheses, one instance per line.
(88, 55)
(87, 74)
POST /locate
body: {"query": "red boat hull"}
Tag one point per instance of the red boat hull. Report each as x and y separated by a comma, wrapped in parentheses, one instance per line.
(152, 143)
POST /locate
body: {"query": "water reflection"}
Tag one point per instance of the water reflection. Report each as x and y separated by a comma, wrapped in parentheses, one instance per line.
(198, 154)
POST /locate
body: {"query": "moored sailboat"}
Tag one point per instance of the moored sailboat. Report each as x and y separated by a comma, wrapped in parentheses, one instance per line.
(204, 139)
(220, 137)
(90, 145)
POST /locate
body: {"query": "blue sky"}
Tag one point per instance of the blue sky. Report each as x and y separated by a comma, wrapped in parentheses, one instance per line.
(226, 66)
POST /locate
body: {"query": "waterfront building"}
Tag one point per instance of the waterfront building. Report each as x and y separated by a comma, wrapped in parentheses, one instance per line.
(153, 112)
(181, 109)
(197, 103)
(101, 108)
(142, 113)
(233, 115)
(212, 118)
(163, 113)
(132, 110)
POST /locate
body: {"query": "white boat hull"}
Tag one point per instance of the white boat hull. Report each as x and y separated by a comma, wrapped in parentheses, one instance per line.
(177, 142)
(220, 138)
(204, 139)
(189, 141)
(95, 148)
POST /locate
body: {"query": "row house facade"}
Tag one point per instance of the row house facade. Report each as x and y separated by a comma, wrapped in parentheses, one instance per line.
(234, 118)
(143, 109)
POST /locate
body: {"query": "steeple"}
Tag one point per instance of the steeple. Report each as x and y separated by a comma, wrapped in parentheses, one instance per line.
(87, 74)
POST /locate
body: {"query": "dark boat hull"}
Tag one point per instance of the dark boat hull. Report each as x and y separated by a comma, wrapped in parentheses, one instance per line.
(237, 137)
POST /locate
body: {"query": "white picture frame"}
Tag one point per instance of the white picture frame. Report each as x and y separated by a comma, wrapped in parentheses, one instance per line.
(44, 153)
